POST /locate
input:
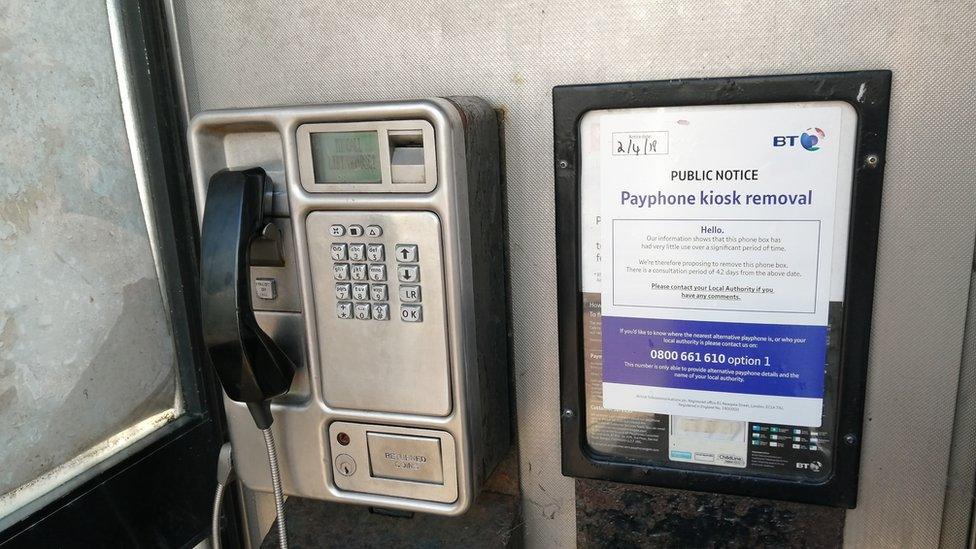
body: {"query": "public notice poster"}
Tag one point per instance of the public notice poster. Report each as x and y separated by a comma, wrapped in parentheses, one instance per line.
(719, 254)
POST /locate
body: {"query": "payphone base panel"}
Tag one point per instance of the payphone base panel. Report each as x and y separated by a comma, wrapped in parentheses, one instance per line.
(394, 461)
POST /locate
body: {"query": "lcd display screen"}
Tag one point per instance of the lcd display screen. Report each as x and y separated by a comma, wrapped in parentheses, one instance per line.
(346, 157)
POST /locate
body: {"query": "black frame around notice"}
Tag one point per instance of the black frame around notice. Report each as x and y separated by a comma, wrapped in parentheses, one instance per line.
(162, 494)
(868, 92)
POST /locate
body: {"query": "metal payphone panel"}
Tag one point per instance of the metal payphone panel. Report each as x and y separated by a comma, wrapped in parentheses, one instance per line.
(379, 302)
(416, 379)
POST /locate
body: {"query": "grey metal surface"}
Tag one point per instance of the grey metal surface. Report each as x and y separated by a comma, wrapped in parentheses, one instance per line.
(961, 482)
(85, 346)
(513, 53)
(287, 296)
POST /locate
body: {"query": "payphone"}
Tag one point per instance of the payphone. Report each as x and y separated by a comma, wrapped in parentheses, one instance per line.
(375, 266)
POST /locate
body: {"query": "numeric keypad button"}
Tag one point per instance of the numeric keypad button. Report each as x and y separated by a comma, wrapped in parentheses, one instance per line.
(375, 252)
(340, 271)
(378, 292)
(338, 252)
(357, 252)
(358, 271)
(342, 290)
(377, 273)
(360, 292)
(344, 309)
(362, 311)
(381, 311)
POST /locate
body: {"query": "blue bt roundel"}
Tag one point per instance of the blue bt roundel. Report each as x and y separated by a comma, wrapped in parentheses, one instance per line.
(811, 138)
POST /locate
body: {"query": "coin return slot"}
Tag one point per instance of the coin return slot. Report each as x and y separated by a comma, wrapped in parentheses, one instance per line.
(403, 457)
(407, 156)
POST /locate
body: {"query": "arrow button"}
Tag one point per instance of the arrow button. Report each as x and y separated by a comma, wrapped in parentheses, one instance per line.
(406, 253)
(408, 273)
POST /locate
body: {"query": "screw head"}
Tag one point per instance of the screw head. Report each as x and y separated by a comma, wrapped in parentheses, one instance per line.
(872, 160)
(568, 414)
(850, 438)
(563, 164)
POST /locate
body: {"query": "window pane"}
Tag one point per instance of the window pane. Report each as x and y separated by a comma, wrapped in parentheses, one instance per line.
(86, 350)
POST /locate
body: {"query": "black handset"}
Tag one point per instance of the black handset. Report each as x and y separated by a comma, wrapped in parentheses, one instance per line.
(250, 365)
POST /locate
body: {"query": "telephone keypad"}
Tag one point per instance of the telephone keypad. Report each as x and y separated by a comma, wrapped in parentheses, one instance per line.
(368, 296)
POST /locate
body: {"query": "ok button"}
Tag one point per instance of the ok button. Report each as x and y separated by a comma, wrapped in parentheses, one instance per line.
(411, 313)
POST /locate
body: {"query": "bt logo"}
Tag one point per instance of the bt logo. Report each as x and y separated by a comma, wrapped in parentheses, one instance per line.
(809, 140)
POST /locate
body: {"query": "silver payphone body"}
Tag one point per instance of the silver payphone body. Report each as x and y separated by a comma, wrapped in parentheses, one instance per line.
(387, 291)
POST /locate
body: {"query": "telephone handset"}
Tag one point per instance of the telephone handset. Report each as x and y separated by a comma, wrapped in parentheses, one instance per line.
(251, 366)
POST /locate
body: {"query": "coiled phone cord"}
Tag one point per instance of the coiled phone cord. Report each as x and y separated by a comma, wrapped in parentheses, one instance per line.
(279, 495)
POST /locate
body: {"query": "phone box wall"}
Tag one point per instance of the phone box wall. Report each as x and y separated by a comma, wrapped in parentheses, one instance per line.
(512, 53)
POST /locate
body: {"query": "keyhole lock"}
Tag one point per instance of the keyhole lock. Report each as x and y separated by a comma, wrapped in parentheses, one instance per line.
(345, 465)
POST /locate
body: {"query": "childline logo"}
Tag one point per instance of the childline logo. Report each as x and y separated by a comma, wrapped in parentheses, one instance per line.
(811, 139)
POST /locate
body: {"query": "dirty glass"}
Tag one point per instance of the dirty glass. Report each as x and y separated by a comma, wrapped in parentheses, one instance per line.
(87, 361)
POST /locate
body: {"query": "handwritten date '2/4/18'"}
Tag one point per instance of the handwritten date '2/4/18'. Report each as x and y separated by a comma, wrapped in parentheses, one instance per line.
(640, 143)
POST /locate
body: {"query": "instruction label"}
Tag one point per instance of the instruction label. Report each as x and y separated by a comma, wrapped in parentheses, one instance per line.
(717, 235)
